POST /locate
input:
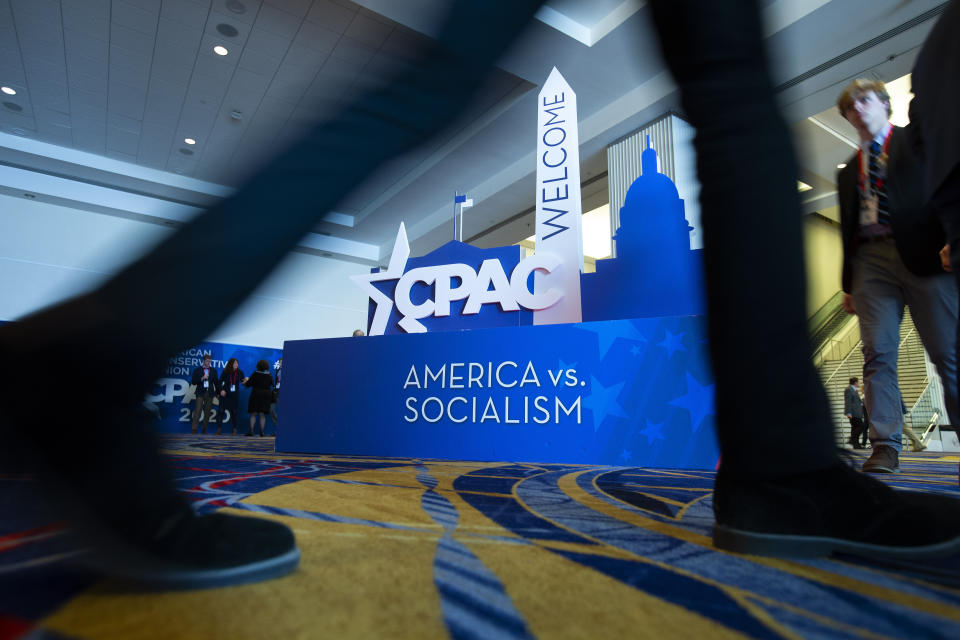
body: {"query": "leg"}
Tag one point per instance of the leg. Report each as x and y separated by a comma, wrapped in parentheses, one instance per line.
(197, 410)
(879, 299)
(220, 415)
(933, 305)
(207, 408)
(781, 489)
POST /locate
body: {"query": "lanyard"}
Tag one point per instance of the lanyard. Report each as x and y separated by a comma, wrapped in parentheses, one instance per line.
(881, 161)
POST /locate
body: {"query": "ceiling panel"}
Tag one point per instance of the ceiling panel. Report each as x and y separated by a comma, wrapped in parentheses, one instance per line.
(276, 21)
(186, 12)
(130, 40)
(331, 15)
(137, 18)
(90, 18)
(317, 37)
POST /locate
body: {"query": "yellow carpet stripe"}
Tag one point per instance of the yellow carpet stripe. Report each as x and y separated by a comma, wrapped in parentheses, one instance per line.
(569, 486)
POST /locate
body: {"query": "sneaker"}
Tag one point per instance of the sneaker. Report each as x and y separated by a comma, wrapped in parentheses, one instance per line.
(831, 510)
(197, 552)
(884, 459)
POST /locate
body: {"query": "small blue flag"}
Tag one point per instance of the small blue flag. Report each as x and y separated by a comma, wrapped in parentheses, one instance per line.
(459, 198)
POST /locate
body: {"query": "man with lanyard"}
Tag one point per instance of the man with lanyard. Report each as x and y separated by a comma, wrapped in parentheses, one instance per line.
(205, 378)
(891, 245)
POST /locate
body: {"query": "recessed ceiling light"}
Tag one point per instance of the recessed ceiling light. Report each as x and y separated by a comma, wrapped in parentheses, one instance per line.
(236, 6)
(220, 50)
(13, 106)
(10, 91)
(186, 152)
(803, 186)
(228, 30)
(190, 141)
(841, 165)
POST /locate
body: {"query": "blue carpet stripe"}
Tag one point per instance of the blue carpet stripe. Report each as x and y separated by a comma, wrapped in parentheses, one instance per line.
(699, 519)
(324, 517)
(474, 602)
(542, 494)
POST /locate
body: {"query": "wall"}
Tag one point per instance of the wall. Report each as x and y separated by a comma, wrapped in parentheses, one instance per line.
(824, 255)
(49, 253)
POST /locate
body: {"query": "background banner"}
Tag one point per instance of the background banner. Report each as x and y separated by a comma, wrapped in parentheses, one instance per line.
(630, 392)
(171, 399)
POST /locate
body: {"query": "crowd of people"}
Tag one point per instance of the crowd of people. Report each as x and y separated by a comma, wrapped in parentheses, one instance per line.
(223, 389)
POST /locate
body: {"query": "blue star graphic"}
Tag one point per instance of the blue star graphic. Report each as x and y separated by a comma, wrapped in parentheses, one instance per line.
(608, 332)
(672, 342)
(698, 401)
(625, 455)
(602, 402)
(563, 366)
(653, 432)
(635, 350)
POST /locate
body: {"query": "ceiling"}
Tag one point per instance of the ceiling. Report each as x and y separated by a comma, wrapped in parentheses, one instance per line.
(107, 92)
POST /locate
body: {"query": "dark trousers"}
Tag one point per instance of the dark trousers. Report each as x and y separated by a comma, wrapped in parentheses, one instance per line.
(228, 403)
(935, 127)
(858, 432)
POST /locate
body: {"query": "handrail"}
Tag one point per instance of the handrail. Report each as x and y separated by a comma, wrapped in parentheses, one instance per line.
(903, 341)
(819, 356)
(827, 382)
(928, 432)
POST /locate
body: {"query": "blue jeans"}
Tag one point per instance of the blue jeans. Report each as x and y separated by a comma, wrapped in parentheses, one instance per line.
(881, 287)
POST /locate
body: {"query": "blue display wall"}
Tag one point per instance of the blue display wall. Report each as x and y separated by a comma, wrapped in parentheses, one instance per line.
(171, 399)
(631, 392)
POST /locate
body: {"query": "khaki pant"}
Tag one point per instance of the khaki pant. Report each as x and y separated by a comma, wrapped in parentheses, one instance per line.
(203, 406)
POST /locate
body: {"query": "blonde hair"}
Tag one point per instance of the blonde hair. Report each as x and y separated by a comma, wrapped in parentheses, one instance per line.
(857, 88)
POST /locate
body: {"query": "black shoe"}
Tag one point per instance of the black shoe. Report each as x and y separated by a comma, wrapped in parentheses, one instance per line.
(199, 552)
(145, 531)
(831, 510)
(884, 459)
(248, 434)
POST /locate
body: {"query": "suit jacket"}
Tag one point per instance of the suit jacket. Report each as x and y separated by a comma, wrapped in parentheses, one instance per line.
(852, 404)
(933, 112)
(916, 228)
(225, 380)
(197, 379)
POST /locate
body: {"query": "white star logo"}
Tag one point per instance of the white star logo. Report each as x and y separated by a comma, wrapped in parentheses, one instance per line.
(398, 262)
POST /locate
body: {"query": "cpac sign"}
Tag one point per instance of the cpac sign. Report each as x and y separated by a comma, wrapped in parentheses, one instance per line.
(556, 266)
(487, 285)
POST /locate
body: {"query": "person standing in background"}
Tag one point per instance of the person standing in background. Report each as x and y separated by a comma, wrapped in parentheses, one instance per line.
(205, 379)
(853, 409)
(276, 394)
(230, 381)
(261, 395)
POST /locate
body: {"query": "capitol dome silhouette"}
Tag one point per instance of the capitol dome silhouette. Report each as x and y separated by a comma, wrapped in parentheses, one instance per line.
(655, 272)
(652, 221)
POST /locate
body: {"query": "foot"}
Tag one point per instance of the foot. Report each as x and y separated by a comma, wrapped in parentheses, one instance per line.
(884, 459)
(248, 434)
(832, 510)
(197, 552)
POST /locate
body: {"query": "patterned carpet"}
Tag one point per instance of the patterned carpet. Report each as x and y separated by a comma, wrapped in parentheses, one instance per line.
(401, 548)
